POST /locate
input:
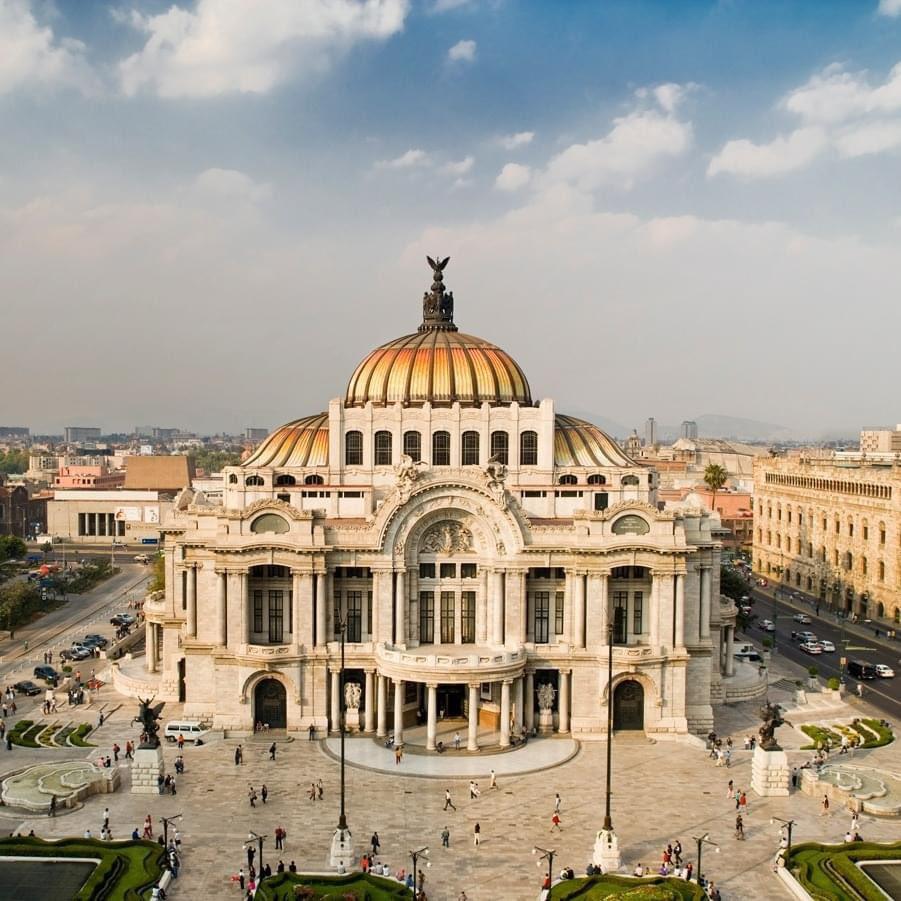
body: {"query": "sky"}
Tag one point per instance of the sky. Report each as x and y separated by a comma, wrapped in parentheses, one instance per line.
(211, 210)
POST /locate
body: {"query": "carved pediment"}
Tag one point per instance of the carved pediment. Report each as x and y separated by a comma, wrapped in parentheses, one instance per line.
(274, 504)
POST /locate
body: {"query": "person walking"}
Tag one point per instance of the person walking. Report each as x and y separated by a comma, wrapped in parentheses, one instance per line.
(106, 816)
(375, 844)
(398, 754)
(677, 852)
(252, 796)
(472, 790)
(825, 811)
(743, 803)
(456, 741)
(445, 837)
(312, 792)
(555, 822)
(739, 828)
(272, 751)
(312, 732)
(51, 810)
(557, 802)
(241, 878)
(264, 793)
(447, 800)
(320, 790)
(477, 835)
(238, 756)
(493, 780)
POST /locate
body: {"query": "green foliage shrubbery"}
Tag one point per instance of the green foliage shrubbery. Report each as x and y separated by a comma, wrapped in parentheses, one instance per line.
(829, 872)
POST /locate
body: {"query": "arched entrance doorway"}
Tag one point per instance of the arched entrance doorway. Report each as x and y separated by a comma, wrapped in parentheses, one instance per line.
(270, 704)
(628, 705)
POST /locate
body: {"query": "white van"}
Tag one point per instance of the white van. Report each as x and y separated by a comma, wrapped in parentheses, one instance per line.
(192, 730)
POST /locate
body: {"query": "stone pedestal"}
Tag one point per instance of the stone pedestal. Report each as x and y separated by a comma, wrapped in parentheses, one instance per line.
(545, 721)
(770, 773)
(147, 767)
(606, 851)
(352, 719)
(342, 857)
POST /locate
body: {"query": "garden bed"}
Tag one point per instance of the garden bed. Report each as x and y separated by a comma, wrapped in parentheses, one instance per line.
(864, 733)
(353, 887)
(830, 872)
(649, 888)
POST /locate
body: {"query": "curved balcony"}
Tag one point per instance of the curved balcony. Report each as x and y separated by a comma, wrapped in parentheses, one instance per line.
(450, 663)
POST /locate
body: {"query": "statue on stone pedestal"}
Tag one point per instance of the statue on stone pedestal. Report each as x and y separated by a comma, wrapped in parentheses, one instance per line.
(771, 714)
(352, 695)
(546, 694)
(147, 717)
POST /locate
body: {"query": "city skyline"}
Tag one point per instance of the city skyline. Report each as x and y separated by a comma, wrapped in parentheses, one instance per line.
(211, 224)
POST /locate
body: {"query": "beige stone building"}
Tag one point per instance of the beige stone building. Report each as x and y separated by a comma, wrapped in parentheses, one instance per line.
(473, 543)
(832, 529)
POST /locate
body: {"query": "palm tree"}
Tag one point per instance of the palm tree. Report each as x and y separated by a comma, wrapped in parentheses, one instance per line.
(714, 478)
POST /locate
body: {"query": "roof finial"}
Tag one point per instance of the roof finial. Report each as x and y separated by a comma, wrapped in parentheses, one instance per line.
(438, 305)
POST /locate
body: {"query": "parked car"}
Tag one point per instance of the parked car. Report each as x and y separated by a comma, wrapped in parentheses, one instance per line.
(811, 647)
(827, 646)
(47, 673)
(767, 625)
(142, 558)
(803, 636)
(27, 687)
(802, 618)
(860, 669)
(122, 619)
(95, 641)
(77, 652)
(191, 730)
(884, 672)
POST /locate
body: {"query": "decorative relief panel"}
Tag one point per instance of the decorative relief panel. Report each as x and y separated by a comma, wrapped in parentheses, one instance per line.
(447, 538)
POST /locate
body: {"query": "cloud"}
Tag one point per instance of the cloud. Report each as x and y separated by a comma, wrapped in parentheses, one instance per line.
(514, 141)
(30, 54)
(633, 148)
(841, 111)
(513, 177)
(782, 155)
(215, 47)
(459, 168)
(232, 184)
(890, 8)
(412, 159)
(443, 6)
(462, 51)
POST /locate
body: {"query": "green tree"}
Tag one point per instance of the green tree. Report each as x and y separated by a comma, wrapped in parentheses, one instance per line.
(158, 580)
(211, 461)
(11, 547)
(17, 601)
(13, 461)
(46, 549)
(714, 478)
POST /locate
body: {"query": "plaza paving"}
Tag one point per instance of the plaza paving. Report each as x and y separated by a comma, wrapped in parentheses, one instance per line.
(663, 790)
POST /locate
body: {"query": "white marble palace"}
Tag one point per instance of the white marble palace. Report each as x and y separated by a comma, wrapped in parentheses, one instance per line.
(476, 547)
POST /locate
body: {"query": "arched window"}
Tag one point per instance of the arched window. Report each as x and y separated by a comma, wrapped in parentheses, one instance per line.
(254, 481)
(313, 480)
(470, 449)
(528, 449)
(413, 446)
(568, 479)
(441, 449)
(597, 479)
(630, 481)
(232, 479)
(383, 448)
(500, 446)
(285, 480)
(353, 449)
(269, 522)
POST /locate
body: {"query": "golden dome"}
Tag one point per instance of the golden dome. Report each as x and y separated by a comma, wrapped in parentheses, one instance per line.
(303, 442)
(441, 367)
(579, 443)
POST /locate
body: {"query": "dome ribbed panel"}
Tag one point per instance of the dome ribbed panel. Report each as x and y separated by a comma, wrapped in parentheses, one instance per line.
(439, 367)
(579, 443)
(303, 442)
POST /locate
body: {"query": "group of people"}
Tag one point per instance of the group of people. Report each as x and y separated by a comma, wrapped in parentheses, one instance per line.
(252, 795)
(671, 864)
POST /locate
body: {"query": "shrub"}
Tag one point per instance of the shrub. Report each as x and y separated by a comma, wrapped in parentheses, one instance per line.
(77, 737)
(885, 735)
(813, 671)
(833, 684)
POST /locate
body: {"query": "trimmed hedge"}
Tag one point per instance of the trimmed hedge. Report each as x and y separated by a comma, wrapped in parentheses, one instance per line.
(829, 738)
(829, 872)
(885, 735)
(283, 886)
(653, 888)
(127, 870)
(77, 737)
(19, 734)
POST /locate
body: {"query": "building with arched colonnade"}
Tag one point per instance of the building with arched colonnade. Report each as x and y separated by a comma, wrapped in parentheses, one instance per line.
(475, 543)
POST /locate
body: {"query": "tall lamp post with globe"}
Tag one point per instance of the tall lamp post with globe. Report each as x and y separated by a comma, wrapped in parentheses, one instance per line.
(342, 853)
(606, 845)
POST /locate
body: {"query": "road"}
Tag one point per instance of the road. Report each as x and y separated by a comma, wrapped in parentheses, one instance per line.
(882, 693)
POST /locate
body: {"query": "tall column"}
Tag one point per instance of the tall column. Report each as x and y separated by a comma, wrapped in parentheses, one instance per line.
(505, 713)
(528, 701)
(334, 725)
(680, 610)
(398, 712)
(295, 607)
(321, 608)
(369, 723)
(706, 580)
(563, 702)
(497, 607)
(654, 612)
(152, 654)
(472, 738)
(730, 660)
(382, 706)
(604, 601)
(517, 705)
(221, 608)
(303, 611)
(578, 594)
(244, 605)
(191, 627)
(482, 608)
(400, 610)
(458, 618)
(431, 728)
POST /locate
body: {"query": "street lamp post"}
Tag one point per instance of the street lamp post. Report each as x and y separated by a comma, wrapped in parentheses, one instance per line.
(548, 855)
(788, 825)
(342, 849)
(703, 840)
(253, 838)
(606, 845)
(166, 822)
(415, 855)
